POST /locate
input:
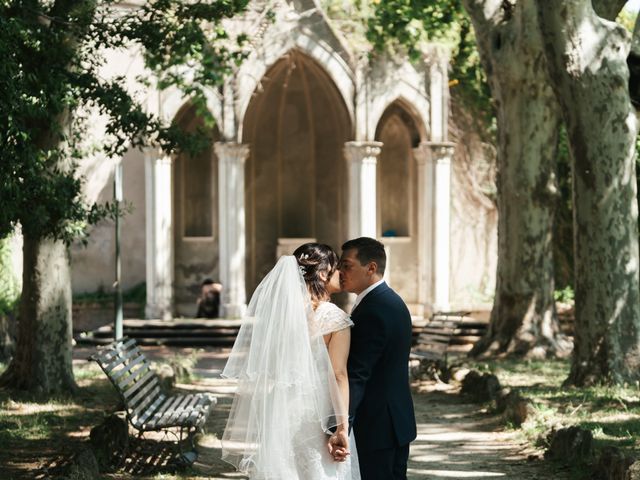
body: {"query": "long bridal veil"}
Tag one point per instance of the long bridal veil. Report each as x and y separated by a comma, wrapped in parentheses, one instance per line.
(287, 392)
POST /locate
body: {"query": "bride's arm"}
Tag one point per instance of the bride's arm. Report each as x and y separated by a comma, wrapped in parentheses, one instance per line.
(339, 353)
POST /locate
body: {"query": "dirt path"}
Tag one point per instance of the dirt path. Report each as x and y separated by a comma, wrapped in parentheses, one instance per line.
(456, 439)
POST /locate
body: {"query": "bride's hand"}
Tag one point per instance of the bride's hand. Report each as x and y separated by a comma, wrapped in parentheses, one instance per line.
(339, 446)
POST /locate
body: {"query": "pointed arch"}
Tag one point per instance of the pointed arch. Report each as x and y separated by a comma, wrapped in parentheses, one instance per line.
(409, 98)
(254, 69)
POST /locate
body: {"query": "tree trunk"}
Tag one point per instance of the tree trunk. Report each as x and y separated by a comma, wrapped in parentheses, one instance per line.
(523, 319)
(586, 56)
(42, 361)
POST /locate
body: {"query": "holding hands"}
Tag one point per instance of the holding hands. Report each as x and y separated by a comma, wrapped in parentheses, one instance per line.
(338, 445)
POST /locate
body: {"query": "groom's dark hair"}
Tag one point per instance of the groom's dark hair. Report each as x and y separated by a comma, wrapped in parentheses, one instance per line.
(369, 250)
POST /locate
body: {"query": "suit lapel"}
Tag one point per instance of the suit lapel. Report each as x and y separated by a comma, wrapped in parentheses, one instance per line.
(383, 287)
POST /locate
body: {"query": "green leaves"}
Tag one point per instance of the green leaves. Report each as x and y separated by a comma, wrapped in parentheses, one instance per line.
(411, 24)
(50, 76)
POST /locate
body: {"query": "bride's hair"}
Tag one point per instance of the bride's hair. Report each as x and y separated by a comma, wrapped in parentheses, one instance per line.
(314, 260)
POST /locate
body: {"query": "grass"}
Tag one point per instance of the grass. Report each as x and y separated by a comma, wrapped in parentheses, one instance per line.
(37, 432)
(26, 417)
(612, 414)
(135, 294)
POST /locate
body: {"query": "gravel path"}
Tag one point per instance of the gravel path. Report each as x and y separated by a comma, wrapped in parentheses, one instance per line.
(456, 439)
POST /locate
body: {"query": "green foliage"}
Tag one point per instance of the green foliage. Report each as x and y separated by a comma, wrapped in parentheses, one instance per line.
(135, 294)
(565, 295)
(9, 288)
(627, 19)
(413, 23)
(410, 25)
(53, 53)
(563, 222)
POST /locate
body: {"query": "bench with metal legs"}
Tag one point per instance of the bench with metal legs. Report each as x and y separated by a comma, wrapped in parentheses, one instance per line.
(148, 408)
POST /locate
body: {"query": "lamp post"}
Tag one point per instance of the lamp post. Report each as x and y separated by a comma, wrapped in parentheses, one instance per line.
(117, 199)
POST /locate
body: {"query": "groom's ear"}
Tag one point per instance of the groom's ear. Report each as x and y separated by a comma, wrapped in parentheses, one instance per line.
(372, 268)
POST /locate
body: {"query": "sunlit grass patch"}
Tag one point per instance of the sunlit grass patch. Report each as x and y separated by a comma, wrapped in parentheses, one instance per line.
(25, 417)
(611, 413)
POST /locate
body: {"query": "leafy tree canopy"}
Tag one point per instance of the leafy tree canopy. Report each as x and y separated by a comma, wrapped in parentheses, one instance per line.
(408, 26)
(51, 75)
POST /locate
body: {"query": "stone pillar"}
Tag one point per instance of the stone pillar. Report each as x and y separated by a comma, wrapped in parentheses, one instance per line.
(362, 158)
(231, 161)
(159, 233)
(437, 64)
(426, 209)
(441, 154)
(434, 166)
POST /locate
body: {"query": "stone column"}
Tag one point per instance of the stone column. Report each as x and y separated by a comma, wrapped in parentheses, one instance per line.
(159, 233)
(362, 158)
(426, 209)
(231, 161)
(437, 64)
(434, 165)
(441, 154)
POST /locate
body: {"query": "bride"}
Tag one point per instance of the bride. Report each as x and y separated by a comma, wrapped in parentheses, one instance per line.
(290, 360)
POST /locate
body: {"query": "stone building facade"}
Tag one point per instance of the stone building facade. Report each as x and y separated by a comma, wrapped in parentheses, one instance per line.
(313, 140)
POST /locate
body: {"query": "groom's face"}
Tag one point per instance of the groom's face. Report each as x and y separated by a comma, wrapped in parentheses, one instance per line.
(354, 277)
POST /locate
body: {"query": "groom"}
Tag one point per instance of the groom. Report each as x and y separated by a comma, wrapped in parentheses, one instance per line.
(380, 407)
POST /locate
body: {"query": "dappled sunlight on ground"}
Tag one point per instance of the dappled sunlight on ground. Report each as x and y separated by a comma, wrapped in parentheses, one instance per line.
(456, 439)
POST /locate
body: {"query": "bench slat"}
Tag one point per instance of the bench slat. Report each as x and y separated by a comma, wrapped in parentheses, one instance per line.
(151, 411)
(175, 413)
(118, 373)
(134, 375)
(143, 394)
(119, 357)
(166, 419)
(159, 413)
(188, 409)
(139, 409)
(147, 407)
(107, 355)
(136, 386)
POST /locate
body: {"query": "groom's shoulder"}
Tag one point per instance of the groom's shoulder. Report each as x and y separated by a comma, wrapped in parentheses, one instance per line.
(387, 296)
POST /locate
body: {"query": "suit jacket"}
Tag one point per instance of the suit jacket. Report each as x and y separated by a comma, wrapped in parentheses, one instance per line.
(380, 398)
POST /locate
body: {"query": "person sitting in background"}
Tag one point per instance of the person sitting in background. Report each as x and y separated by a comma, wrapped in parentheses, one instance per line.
(209, 299)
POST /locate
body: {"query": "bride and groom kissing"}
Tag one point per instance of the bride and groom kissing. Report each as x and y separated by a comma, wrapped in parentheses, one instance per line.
(322, 395)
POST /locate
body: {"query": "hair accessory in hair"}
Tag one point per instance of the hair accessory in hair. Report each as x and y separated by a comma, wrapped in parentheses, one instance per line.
(303, 270)
(304, 256)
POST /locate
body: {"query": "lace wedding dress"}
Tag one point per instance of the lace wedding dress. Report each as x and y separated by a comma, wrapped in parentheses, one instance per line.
(287, 398)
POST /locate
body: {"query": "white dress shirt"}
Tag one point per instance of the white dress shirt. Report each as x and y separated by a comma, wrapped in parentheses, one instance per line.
(364, 293)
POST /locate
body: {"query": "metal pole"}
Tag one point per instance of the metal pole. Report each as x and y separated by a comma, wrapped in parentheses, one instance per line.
(117, 198)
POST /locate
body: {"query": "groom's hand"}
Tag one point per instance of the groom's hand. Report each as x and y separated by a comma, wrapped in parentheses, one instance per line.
(339, 446)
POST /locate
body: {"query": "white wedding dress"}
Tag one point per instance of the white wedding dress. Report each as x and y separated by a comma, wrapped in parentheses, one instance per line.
(287, 398)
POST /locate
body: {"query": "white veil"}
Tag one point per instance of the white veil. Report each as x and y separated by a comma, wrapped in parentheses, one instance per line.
(287, 392)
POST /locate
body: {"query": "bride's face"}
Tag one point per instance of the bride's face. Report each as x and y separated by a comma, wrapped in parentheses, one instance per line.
(333, 284)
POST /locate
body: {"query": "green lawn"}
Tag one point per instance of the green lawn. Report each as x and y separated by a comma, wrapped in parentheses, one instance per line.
(612, 414)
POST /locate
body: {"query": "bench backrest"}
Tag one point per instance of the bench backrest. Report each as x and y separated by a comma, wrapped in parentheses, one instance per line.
(131, 374)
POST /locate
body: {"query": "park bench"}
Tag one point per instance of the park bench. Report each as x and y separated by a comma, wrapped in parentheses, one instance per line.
(445, 331)
(147, 407)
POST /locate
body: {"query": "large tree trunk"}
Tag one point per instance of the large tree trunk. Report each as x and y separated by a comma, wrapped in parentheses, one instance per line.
(523, 319)
(42, 362)
(586, 56)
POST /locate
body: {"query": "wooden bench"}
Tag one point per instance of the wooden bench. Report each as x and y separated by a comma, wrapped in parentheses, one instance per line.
(147, 407)
(447, 334)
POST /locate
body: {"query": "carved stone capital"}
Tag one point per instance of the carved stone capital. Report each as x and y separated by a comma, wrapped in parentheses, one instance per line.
(362, 152)
(231, 152)
(439, 152)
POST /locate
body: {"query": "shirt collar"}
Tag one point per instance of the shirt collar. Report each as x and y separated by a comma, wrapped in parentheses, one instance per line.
(364, 293)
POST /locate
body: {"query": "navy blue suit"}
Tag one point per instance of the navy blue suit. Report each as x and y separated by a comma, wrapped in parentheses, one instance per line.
(380, 398)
